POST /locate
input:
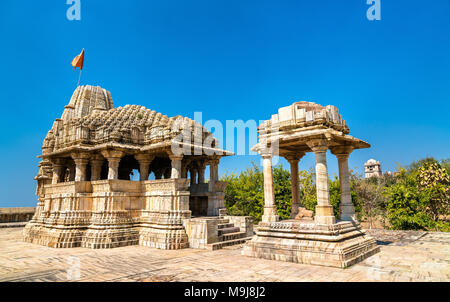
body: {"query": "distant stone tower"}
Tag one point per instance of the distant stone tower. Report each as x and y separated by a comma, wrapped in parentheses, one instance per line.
(372, 168)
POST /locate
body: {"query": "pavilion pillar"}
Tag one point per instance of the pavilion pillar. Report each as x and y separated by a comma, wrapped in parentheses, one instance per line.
(293, 161)
(81, 160)
(72, 172)
(213, 174)
(58, 169)
(96, 167)
(176, 166)
(144, 165)
(201, 173)
(270, 209)
(183, 171)
(346, 208)
(113, 157)
(324, 209)
(193, 176)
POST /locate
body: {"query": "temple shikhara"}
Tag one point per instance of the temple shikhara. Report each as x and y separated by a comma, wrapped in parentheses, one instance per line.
(319, 239)
(88, 195)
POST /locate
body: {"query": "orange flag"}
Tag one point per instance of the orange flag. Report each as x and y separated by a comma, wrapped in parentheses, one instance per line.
(78, 61)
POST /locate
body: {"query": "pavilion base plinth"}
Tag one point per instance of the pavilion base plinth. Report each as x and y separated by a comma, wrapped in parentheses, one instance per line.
(340, 244)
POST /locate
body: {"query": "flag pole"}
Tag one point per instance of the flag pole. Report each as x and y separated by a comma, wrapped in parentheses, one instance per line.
(79, 77)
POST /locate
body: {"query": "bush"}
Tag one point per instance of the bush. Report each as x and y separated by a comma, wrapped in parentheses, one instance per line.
(416, 198)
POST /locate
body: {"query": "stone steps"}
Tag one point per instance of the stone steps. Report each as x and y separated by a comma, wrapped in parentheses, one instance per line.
(222, 244)
(232, 236)
(223, 221)
(224, 225)
(228, 230)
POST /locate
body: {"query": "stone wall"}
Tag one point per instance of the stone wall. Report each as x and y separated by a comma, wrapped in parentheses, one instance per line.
(16, 214)
(201, 231)
(244, 223)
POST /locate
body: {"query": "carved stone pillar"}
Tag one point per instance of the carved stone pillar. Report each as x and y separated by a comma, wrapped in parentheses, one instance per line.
(81, 160)
(113, 157)
(293, 161)
(213, 174)
(144, 165)
(184, 167)
(201, 173)
(324, 209)
(270, 209)
(72, 172)
(193, 173)
(346, 208)
(176, 166)
(58, 169)
(96, 166)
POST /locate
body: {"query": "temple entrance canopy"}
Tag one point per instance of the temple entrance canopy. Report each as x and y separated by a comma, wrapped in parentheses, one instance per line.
(295, 130)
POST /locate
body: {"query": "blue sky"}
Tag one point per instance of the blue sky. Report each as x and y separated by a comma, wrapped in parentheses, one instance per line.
(233, 59)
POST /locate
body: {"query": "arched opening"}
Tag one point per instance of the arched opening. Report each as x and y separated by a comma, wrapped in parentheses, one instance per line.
(135, 175)
(88, 172)
(68, 171)
(104, 170)
(127, 164)
(161, 167)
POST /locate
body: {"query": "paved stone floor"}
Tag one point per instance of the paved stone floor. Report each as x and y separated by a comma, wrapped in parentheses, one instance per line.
(404, 256)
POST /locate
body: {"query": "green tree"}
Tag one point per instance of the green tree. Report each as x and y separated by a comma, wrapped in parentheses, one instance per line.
(244, 194)
(283, 192)
(371, 194)
(335, 194)
(308, 194)
(434, 184)
(405, 204)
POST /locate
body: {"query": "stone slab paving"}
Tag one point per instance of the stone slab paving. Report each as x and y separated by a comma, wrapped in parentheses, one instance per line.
(404, 256)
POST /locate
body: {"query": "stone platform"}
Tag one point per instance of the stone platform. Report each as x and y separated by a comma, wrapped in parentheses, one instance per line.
(338, 245)
(404, 256)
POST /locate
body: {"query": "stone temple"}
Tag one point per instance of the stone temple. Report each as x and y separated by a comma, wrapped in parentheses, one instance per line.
(322, 240)
(87, 195)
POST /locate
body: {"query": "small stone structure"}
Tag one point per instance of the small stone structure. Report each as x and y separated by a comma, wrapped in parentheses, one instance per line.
(297, 129)
(372, 168)
(87, 197)
(16, 214)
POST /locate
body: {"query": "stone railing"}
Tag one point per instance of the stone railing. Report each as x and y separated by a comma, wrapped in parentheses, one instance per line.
(199, 188)
(173, 185)
(16, 214)
(116, 185)
(68, 187)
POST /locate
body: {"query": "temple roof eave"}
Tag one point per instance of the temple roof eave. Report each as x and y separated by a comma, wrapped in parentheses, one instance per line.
(297, 140)
(159, 147)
